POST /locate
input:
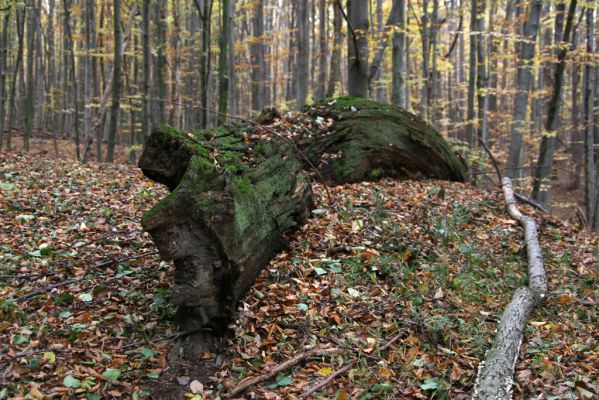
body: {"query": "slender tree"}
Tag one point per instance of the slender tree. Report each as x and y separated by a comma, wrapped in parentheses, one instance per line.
(3, 66)
(335, 63)
(116, 83)
(223, 61)
(357, 48)
(398, 55)
(257, 59)
(523, 85)
(146, 120)
(303, 55)
(542, 174)
(471, 75)
(29, 108)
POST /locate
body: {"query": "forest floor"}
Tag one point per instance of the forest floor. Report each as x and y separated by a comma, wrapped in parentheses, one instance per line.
(407, 278)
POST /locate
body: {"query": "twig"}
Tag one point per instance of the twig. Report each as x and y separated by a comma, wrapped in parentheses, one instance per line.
(328, 379)
(280, 368)
(45, 289)
(26, 276)
(319, 385)
(120, 260)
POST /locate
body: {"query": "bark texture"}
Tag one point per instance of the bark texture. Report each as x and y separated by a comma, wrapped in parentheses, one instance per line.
(495, 376)
(225, 217)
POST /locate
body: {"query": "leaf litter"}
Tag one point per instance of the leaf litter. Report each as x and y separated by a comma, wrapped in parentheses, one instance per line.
(407, 278)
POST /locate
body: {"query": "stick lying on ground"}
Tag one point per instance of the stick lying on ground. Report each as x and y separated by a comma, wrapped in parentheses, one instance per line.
(280, 368)
(495, 374)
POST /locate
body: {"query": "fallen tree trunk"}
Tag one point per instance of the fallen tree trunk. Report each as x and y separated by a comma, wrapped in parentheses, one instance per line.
(367, 140)
(224, 219)
(495, 374)
(236, 190)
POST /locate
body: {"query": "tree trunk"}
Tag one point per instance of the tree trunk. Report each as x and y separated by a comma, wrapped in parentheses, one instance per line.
(373, 140)
(303, 52)
(145, 44)
(71, 66)
(335, 67)
(116, 83)
(471, 75)
(482, 79)
(542, 174)
(29, 108)
(160, 80)
(523, 86)
(495, 374)
(224, 219)
(257, 59)
(20, 22)
(589, 98)
(399, 39)
(3, 66)
(223, 57)
(323, 49)
(357, 48)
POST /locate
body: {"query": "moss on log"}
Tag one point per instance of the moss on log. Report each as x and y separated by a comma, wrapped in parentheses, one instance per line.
(367, 140)
(227, 213)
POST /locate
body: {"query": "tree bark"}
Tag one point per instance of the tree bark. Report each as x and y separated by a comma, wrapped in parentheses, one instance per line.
(398, 55)
(303, 53)
(495, 374)
(357, 48)
(589, 98)
(3, 66)
(523, 86)
(471, 75)
(116, 83)
(223, 58)
(160, 79)
(224, 219)
(257, 59)
(542, 174)
(145, 44)
(29, 108)
(335, 67)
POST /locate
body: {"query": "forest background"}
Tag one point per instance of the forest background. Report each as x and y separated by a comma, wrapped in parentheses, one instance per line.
(518, 76)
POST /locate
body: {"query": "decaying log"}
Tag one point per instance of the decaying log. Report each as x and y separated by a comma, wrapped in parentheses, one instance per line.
(231, 203)
(235, 192)
(495, 374)
(367, 140)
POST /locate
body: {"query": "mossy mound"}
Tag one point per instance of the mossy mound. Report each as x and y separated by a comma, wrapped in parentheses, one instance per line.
(368, 140)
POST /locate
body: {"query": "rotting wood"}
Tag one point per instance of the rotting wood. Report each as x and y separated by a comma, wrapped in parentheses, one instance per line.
(495, 374)
(237, 189)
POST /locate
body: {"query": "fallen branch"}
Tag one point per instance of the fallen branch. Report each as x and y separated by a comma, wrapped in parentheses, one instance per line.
(323, 383)
(45, 289)
(519, 196)
(495, 373)
(280, 368)
(120, 260)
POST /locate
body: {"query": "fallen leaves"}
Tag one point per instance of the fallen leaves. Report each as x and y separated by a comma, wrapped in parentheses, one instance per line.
(392, 260)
